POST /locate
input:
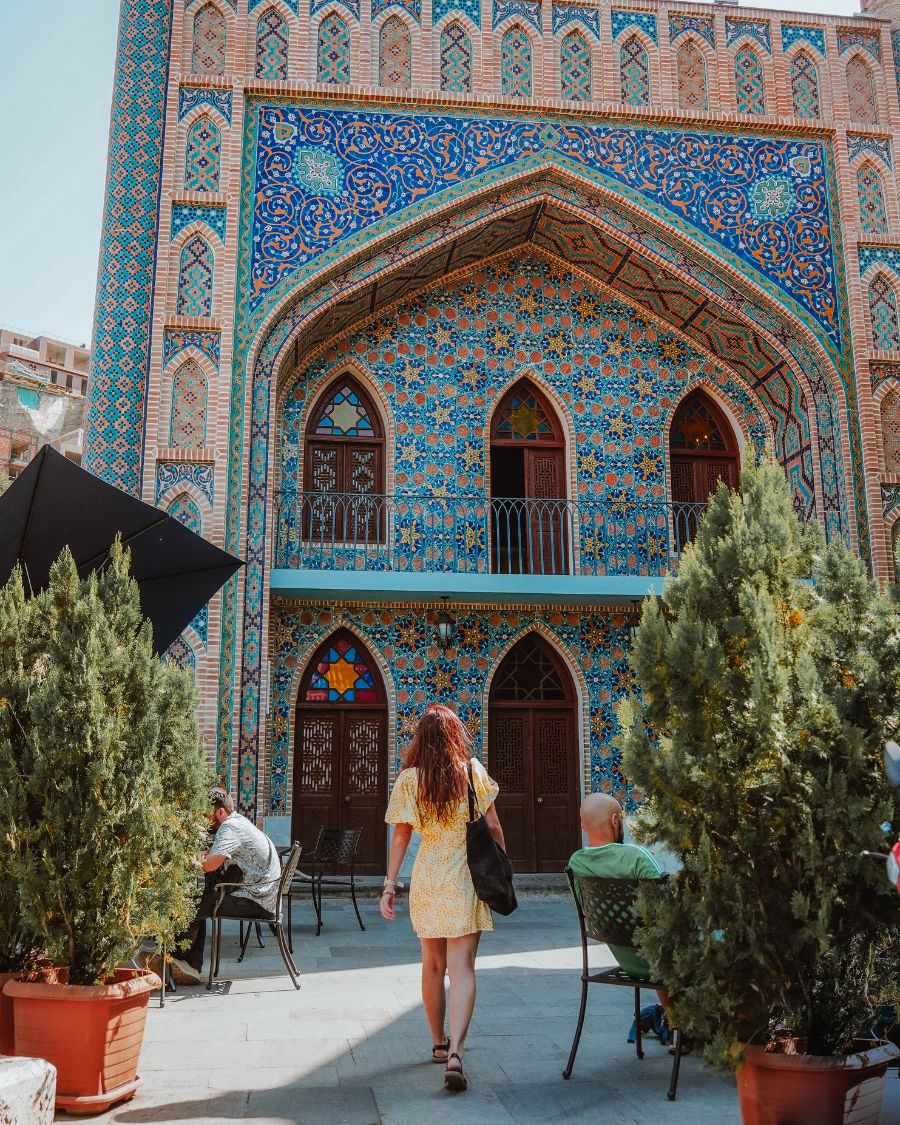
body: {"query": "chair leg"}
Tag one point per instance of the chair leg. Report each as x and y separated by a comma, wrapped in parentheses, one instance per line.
(259, 940)
(317, 902)
(676, 1066)
(286, 956)
(567, 1073)
(245, 940)
(290, 917)
(355, 907)
(164, 970)
(637, 1023)
(213, 954)
(218, 943)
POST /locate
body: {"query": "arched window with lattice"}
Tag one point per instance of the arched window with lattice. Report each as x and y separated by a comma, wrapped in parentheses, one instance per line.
(395, 54)
(805, 85)
(202, 156)
(872, 211)
(187, 429)
(209, 41)
(861, 96)
(516, 79)
(890, 431)
(456, 59)
(333, 52)
(195, 278)
(272, 39)
(749, 81)
(186, 512)
(691, 68)
(344, 467)
(575, 68)
(634, 72)
(883, 315)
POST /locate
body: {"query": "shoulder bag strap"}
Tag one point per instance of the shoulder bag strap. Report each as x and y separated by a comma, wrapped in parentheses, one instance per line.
(471, 793)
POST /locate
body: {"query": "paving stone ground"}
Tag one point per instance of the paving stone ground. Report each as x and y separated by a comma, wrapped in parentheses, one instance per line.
(352, 1046)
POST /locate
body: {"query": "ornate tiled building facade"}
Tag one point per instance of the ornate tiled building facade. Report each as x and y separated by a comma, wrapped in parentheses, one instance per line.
(450, 313)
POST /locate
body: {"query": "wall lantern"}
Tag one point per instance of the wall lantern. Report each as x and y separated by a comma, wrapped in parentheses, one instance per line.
(446, 626)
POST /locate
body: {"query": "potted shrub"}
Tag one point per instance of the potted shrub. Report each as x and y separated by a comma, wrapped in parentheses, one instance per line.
(102, 800)
(764, 702)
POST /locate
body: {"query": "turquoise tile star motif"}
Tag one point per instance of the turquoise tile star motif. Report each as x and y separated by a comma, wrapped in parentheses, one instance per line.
(772, 197)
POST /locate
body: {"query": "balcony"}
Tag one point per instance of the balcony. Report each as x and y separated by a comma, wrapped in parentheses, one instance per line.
(470, 547)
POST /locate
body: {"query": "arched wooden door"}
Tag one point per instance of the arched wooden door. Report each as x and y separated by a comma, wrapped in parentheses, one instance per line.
(533, 756)
(340, 750)
(703, 450)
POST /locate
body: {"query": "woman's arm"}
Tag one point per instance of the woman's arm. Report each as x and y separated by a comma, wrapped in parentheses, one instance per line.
(493, 823)
(399, 844)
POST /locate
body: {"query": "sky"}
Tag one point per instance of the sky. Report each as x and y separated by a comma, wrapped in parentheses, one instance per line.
(55, 93)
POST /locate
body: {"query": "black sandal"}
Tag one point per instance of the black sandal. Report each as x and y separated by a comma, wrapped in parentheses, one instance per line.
(455, 1079)
(445, 1047)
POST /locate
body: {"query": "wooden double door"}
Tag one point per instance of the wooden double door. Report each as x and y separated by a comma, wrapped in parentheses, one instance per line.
(340, 751)
(533, 756)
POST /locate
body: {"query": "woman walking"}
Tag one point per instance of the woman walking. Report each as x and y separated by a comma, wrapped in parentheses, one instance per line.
(431, 796)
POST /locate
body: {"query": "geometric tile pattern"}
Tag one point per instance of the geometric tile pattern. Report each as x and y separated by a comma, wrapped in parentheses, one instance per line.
(805, 85)
(691, 69)
(352, 7)
(272, 46)
(890, 431)
(528, 10)
(564, 14)
(210, 39)
(644, 21)
(634, 72)
(195, 278)
(796, 33)
(861, 96)
(701, 25)
(180, 652)
(515, 63)
(877, 146)
(188, 425)
(872, 213)
(749, 81)
(192, 96)
(884, 373)
(294, 5)
(890, 500)
(213, 215)
(869, 41)
(456, 59)
(414, 7)
(879, 255)
(333, 56)
(121, 351)
(575, 67)
(183, 509)
(470, 8)
(176, 340)
(394, 54)
(883, 315)
(173, 474)
(756, 29)
(202, 156)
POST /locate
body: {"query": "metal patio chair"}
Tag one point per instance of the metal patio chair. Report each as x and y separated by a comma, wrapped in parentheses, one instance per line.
(274, 921)
(606, 914)
(335, 848)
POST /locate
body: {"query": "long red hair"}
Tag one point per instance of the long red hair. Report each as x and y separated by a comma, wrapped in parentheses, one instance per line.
(440, 753)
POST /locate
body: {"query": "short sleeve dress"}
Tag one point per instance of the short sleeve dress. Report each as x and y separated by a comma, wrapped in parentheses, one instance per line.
(442, 899)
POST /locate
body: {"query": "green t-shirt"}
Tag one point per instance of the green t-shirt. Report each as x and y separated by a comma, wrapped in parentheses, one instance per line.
(619, 861)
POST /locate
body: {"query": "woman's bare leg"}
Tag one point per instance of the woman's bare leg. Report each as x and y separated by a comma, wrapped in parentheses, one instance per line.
(461, 966)
(434, 998)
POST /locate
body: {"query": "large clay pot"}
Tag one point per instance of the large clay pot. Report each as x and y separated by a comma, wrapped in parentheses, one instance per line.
(779, 1088)
(7, 1042)
(91, 1033)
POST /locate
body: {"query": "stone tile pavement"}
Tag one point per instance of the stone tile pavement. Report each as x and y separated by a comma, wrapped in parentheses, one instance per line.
(352, 1046)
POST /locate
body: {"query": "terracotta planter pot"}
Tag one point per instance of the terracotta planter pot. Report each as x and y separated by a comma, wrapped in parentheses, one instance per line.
(91, 1034)
(7, 1042)
(793, 1089)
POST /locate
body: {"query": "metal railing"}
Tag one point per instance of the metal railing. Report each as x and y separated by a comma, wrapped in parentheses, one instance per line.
(481, 535)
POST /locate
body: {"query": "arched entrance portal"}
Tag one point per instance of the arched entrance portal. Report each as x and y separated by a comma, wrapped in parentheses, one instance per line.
(533, 755)
(340, 749)
(703, 450)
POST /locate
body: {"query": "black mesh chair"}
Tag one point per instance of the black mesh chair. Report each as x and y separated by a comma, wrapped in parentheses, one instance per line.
(220, 914)
(335, 849)
(606, 914)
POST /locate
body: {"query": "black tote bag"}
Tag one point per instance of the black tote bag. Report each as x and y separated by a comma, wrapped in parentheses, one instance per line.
(492, 873)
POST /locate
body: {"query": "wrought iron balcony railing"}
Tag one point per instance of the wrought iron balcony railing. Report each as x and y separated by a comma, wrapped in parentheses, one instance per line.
(482, 535)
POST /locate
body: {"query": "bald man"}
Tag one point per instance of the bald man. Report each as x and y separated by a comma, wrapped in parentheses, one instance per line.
(608, 857)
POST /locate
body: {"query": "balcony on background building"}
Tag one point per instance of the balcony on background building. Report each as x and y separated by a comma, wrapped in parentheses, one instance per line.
(475, 548)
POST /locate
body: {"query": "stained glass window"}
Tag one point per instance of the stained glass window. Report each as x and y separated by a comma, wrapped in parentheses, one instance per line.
(342, 675)
(344, 415)
(872, 212)
(695, 427)
(522, 417)
(528, 673)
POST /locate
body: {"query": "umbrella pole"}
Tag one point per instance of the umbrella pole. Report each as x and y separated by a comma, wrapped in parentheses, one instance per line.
(90, 563)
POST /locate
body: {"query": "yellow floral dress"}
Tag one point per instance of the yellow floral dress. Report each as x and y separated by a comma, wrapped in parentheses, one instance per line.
(442, 900)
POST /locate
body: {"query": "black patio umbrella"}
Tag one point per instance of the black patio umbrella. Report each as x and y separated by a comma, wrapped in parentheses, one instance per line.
(54, 503)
